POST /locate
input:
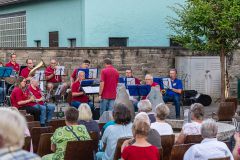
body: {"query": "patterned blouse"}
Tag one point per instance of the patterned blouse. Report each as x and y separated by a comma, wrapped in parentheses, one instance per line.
(60, 138)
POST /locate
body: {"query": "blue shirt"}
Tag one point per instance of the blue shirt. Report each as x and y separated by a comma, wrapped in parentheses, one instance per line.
(176, 84)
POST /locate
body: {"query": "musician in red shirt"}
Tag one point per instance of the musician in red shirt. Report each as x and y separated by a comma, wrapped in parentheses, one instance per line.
(25, 71)
(53, 81)
(22, 99)
(129, 74)
(78, 95)
(108, 86)
(13, 64)
(46, 109)
(149, 81)
(85, 64)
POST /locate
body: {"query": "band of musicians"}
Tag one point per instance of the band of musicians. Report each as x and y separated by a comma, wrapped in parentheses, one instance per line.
(38, 95)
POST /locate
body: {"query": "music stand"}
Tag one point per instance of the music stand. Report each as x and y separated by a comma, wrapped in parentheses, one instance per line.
(139, 90)
(90, 73)
(127, 81)
(5, 72)
(87, 83)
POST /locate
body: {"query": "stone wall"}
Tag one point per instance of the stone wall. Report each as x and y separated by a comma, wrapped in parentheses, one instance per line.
(156, 61)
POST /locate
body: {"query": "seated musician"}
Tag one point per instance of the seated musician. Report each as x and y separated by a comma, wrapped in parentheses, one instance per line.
(129, 74)
(174, 94)
(47, 109)
(149, 81)
(78, 95)
(21, 99)
(12, 63)
(53, 81)
(25, 71)
(85, 64)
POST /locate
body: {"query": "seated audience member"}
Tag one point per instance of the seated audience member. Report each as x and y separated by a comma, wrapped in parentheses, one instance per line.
(71, 132)
(193, 128)
(141, 149)
(236, 150)
(160, 125)
(210, 147)
(122, 128)
(22, 99)
(78, 94)
(146, 106)
(12, 126)
(85, 118)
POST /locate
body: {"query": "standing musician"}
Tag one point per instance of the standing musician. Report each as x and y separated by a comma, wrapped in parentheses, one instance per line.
(12, 63)
(53, 81)
(21, 99)
(174, 94)
(46, 109)
(78, 95)
(85, 64)
(25, 72)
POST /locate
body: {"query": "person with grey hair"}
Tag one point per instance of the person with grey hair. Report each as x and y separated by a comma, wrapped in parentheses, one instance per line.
(146, 106)
(194, 127)
(160, 125)
(46, 109)
(210, 147)
(78, 94)
(12, 130)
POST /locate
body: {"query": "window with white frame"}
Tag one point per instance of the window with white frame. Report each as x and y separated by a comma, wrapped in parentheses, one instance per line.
(13, 30)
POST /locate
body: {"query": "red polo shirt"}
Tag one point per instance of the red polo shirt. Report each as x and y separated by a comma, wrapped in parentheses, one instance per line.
(54, 79)
(25, 72)
(74, 74)
(37, 94)
(14, 66)
(109, 76)
(83, 98)
(18, 95)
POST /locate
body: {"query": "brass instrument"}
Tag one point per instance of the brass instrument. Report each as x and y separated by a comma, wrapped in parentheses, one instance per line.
(163, 91)
(39, 65)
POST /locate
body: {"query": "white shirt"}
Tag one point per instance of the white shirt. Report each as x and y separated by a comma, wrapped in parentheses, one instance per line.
(207, 149)
(111, 136)
(163, 128)
(193, 128)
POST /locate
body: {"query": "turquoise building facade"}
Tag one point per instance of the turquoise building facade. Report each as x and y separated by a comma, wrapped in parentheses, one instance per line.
(93, 22)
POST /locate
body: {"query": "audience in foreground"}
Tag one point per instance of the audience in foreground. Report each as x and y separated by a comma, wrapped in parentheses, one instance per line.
(146, 106)
(140, 149)
(194, 127)
(236, 150)
(85, 118)
(122, 128)
(71, 132)
(160, 125)
(12, 126)
(210, 147)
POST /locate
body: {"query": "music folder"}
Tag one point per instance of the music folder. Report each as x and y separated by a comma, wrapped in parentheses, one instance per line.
(139, 90)
(90, 73)
(59, 70)
(91, 89)
(5, 72)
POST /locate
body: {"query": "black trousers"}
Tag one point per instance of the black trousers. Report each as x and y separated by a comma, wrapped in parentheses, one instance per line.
(33, 111)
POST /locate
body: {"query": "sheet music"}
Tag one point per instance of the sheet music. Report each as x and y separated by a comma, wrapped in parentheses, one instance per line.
(59, 90)
(59, 70)
(167, 83)
(93, 73)
(130, 81)
(91, 90)
(39, 75)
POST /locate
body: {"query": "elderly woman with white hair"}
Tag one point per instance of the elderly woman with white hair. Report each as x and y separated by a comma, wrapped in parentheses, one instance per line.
(160, 125)
(210, 147)
(12, 126)
(146, 106)
(85, 118)
(139, 147)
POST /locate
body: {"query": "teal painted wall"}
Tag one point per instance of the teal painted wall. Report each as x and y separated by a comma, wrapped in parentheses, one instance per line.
(51, 15)
(92, 22)
(143, 21)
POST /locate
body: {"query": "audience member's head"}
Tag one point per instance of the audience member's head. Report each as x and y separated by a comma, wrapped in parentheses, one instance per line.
(162, 111)
(85, 112)
(71, 115)
(141, 125)
(121, 114)
(197, 111)
(12, 126)
(209, 129)
(144, 106)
